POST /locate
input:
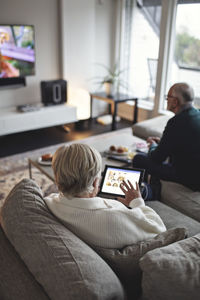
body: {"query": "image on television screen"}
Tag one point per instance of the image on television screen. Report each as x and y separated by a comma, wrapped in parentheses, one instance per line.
(17, 51)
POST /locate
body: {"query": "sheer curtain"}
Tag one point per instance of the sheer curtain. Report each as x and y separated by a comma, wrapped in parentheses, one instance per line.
(140, 46)
(126, 33)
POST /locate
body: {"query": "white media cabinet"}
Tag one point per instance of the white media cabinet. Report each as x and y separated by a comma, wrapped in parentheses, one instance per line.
(12, 121)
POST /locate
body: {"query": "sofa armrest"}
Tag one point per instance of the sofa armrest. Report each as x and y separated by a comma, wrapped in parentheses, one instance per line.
(151, 127)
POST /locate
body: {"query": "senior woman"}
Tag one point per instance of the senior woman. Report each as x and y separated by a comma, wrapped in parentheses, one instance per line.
(98, 221)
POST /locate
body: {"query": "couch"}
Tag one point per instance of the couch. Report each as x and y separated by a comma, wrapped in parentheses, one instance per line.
(41, 259)
(173, 194)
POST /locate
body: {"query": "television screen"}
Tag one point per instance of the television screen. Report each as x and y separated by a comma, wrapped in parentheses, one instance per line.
(17, 51)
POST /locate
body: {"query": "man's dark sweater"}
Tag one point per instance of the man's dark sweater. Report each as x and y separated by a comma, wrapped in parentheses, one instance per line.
(181, 143)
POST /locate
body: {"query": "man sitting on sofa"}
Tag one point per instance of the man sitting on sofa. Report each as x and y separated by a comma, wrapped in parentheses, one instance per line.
(176, 156)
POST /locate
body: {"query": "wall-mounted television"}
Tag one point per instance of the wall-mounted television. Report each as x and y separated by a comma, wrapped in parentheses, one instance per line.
(17, 51)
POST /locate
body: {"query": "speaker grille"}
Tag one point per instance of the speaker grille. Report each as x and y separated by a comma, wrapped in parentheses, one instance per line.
(54, 92)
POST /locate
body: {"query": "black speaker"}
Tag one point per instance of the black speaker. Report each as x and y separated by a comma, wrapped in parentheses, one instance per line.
(54, 92)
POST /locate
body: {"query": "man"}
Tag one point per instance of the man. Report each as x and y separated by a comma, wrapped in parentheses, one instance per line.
(176, 156)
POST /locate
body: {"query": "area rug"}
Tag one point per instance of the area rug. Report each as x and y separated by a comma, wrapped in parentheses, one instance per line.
(14, 168)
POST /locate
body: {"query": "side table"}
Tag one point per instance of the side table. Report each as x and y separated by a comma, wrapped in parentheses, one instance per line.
(114, 100)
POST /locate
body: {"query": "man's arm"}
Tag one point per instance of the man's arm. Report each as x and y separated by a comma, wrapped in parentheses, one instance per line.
(160, 152)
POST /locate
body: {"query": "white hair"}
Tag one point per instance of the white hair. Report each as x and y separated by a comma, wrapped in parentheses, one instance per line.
(184, 91)
(75, 168)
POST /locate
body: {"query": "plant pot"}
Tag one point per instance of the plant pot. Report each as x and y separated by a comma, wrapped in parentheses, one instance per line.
(108, 88)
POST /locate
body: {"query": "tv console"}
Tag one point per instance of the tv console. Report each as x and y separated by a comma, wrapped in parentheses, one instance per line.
(13, 121)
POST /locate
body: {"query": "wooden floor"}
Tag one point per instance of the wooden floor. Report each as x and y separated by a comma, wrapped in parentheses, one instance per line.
(31, 140)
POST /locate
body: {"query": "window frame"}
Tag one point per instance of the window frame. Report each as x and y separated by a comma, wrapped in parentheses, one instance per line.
(165, 57)
(165, 54)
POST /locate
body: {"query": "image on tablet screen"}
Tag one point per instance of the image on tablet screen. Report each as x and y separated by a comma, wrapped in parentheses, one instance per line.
(114, 177)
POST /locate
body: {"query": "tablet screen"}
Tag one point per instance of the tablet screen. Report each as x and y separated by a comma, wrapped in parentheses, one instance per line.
(113, 176)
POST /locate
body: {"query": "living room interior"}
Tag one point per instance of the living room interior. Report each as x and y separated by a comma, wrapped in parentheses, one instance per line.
(78, 41)
(58, 35)
(58, 58)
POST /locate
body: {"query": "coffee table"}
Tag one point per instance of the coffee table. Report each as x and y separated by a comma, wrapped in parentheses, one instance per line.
(101, 142)
(46, 170)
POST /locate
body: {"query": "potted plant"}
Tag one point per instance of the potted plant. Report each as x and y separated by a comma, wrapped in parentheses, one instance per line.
(112, 80)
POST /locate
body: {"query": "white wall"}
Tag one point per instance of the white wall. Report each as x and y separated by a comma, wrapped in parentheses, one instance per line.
(105, 32)
(43, 14)
(87, 40)
(78, 34)
(105, 53)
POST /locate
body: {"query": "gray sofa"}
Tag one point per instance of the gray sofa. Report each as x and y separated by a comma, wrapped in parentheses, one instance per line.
(41, 259)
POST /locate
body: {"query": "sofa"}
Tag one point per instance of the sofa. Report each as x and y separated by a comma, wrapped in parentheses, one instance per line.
(41, 259)
(173, 194)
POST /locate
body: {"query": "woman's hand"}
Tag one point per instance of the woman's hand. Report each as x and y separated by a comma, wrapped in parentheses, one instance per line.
(130, 192)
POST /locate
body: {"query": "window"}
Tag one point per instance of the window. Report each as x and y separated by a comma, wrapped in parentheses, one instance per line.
(163, 47)
(142, 30)
(186, 58)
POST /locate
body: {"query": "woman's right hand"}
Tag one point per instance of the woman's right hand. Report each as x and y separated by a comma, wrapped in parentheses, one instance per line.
(130, 192)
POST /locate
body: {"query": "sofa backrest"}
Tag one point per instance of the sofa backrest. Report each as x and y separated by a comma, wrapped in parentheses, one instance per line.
(181, 198)
(16, 282)
(151, 127)
(61, 263)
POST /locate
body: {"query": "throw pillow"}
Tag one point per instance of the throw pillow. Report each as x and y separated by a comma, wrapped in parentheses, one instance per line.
(61, 263)
(172, 272)
(125, 262)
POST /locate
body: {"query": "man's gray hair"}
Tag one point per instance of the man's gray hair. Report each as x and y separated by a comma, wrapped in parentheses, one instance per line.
(75, 168)
(184, 91)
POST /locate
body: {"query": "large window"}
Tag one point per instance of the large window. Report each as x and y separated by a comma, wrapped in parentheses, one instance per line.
(164, 47)
(186, 58)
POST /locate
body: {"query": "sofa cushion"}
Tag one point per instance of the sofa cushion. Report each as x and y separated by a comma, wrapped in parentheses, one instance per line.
(181, 198)
(125, 262)
(16, 282)
(151, 127)
(172, 217)
(172, 272)
(64, 265)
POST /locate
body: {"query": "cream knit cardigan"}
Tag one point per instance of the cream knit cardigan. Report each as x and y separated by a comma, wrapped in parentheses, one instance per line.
(104, 222)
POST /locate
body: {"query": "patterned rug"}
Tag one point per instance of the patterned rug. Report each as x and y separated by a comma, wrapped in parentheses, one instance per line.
(14, 168)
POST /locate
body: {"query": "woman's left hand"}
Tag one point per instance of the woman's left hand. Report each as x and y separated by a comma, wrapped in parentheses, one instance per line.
(130, 192)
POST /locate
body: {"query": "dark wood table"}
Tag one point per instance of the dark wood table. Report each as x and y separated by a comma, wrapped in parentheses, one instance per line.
(113, 102)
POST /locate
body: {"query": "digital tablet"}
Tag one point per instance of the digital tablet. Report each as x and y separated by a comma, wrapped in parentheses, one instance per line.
(113, 176)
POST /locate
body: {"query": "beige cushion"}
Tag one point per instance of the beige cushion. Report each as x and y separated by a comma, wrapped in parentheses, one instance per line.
(181, 198)
(172, 272)
(173, 218)
(61, 263)
(151, 127)
(125, 262)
